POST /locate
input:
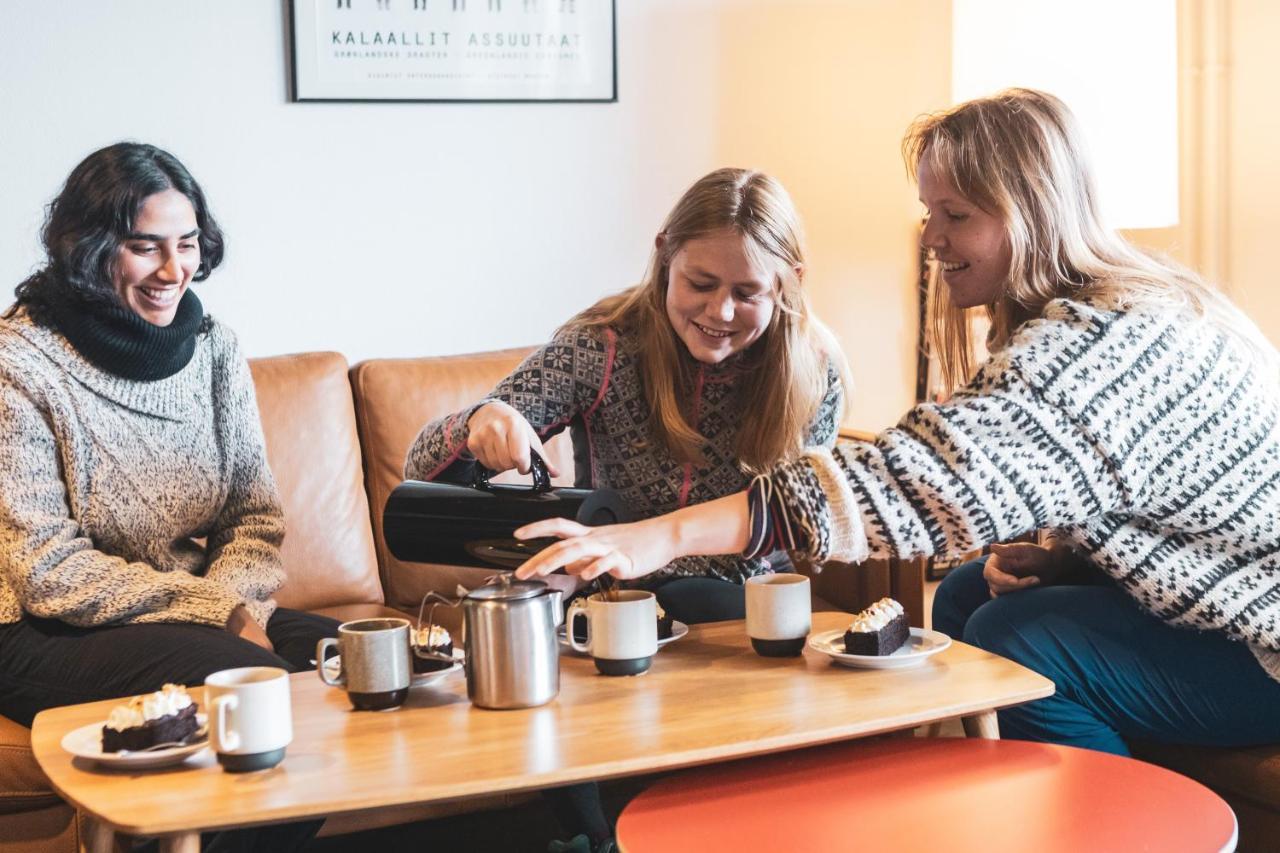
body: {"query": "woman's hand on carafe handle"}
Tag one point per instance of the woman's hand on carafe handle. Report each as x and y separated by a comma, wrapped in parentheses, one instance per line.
(500, 438)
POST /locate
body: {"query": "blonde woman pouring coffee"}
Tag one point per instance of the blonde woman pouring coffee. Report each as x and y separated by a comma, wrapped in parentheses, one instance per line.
(675, 392)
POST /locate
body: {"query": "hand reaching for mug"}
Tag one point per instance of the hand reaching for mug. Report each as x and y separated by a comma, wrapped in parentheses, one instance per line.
(501, 439)
(1018, 566)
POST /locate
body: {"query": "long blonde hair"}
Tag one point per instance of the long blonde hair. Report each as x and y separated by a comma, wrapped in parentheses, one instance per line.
(788, 365)
(1019, 155)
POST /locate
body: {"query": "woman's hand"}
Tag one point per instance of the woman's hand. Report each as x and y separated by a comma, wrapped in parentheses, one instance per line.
(501, 439)
(1018, 566)
(243, 625)
(634, 550)
(623, 550)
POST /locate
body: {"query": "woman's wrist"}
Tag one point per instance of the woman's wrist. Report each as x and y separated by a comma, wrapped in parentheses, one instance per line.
(716, 527)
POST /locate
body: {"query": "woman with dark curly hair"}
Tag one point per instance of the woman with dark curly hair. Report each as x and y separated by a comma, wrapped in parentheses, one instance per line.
(140, 527)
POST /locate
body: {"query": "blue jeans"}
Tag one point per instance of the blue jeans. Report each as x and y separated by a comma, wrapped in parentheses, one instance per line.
(1118, 671)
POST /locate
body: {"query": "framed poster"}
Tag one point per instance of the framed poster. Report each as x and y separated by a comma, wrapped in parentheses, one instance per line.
(453, 50)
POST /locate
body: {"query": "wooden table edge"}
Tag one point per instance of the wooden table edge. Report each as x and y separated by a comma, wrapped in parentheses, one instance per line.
(617, 770)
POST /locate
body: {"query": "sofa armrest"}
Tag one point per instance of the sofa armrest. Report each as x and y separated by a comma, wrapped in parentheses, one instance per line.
(853, 586)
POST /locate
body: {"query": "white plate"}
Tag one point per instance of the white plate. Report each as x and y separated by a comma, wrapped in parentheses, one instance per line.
(920, 645)
(86, 742)
(678, 630)
(418, 679)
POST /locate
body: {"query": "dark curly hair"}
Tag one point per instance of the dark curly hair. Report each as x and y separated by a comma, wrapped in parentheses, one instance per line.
(89, 220)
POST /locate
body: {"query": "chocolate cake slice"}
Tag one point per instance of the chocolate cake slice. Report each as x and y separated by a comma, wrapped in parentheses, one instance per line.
(881, 629)
(165, 716)
(433, 640)
(665, 623)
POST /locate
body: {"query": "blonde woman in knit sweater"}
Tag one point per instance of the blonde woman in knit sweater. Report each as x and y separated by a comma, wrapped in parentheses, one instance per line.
(128, 431)
(1125, 404)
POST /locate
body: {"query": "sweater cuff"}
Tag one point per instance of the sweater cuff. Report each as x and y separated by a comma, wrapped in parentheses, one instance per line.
(822, 506)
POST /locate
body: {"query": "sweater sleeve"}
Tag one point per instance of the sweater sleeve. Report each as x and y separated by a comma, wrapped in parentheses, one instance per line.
(244, 542)
(826, 423)
(553, 385)
(984, 467)
(52, 568)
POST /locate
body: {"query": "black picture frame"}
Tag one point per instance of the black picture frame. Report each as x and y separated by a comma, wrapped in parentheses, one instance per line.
(475, 51)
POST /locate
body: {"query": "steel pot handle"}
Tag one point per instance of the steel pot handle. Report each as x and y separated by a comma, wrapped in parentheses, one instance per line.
(537, 468)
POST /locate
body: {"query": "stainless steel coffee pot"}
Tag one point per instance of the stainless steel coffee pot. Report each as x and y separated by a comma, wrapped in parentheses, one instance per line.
(512, 653)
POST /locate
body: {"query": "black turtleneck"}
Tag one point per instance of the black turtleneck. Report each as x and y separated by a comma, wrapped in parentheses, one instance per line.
(120, 342)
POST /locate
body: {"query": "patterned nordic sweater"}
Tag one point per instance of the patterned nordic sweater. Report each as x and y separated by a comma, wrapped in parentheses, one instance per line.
(589, 381)
(1151, 442)
(106, 483)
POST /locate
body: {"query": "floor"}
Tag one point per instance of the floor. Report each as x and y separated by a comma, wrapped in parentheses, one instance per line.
(523, 829)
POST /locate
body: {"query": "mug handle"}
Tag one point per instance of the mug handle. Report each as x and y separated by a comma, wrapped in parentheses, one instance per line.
(576, 609)
(223, 739)
(321, 648)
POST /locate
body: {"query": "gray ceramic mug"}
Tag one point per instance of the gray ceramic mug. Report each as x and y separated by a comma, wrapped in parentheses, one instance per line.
(375, 666)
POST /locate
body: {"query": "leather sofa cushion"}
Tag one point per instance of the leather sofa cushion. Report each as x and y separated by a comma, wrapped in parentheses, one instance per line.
(23, 786)
(394, 399)
(314, 452)
(1251, 774)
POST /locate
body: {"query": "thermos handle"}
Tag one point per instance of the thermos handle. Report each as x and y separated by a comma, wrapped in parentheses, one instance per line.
(537, 468)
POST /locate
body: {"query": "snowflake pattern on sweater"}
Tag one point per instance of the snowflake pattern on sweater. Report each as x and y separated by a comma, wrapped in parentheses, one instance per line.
(589, 381)
(1149, 440)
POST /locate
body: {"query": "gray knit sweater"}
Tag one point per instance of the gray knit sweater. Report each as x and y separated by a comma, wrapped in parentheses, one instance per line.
(107, 484)
(1150, 440)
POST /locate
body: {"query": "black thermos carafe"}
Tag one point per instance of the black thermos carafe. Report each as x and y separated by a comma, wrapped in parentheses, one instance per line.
(472, 525)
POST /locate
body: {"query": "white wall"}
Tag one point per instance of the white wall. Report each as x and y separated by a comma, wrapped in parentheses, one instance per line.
(415, 229)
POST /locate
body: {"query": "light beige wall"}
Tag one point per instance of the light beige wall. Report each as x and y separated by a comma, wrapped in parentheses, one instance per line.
(1253, 164)
(818, 93)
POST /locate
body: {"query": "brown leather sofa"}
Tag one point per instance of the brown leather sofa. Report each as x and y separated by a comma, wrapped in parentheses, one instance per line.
(336, 440)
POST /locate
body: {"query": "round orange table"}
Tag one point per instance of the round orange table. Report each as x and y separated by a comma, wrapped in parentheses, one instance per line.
(927, 795)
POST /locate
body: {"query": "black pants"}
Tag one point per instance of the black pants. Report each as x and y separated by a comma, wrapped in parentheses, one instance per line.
(45, 663)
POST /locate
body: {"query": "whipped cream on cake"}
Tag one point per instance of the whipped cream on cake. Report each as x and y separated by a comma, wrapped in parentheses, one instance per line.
(165, 702)
(878, 615)
(431, 637)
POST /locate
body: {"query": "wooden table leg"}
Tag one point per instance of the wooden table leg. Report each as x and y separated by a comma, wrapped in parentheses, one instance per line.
(984, 725)
(187, 842)
(99, 838)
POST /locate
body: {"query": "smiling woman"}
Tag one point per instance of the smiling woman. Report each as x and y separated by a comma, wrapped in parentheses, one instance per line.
(674, 392)
(128, 433)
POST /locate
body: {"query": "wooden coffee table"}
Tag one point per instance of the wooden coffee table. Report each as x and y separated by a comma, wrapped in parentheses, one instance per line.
(708, 698)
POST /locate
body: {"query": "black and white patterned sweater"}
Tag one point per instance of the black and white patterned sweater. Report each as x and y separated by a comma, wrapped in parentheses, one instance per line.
(589, 381)
(1150, 440)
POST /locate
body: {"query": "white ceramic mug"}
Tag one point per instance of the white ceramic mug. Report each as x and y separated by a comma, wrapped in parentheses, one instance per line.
(622, 630)
(250, 717)
(779, 613)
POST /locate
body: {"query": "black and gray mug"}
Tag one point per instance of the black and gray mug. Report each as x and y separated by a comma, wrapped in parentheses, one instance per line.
(374, 664)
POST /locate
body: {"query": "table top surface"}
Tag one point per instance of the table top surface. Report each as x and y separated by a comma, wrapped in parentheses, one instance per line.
(984, 796)
(707, 698)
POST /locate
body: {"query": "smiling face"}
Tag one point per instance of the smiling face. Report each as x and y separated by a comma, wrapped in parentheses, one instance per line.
(720, 297)
(970, 244)
(156, 262)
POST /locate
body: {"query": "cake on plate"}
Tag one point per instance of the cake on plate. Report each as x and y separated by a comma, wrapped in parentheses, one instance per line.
(432, 639)
(165, 716)
(665, 623)
(881, 629)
